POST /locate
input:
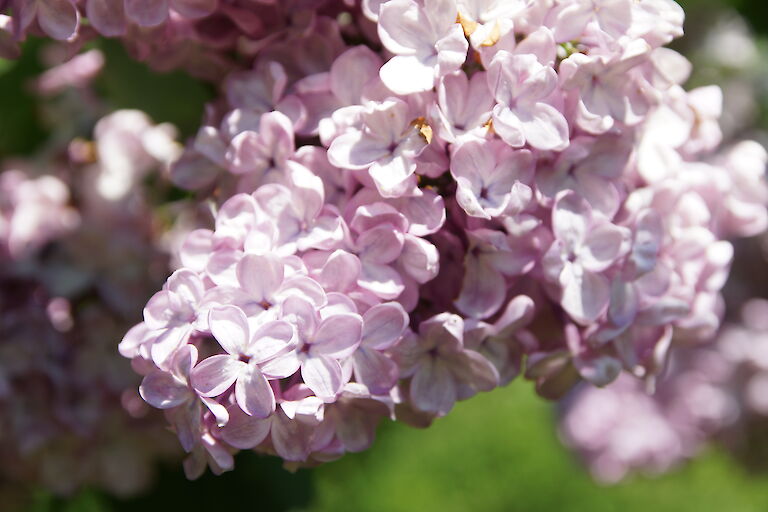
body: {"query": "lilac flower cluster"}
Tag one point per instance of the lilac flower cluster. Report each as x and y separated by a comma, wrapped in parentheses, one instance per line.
(64, 391)
(710, 392)
(477, 189)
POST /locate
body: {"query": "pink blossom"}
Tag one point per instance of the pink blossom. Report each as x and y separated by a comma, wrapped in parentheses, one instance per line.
(521, 86)
(426, 40)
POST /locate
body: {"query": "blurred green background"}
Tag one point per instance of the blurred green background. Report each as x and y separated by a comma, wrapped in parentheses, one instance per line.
(496, 452)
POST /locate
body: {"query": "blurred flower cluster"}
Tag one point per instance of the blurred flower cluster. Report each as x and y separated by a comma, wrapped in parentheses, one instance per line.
(714, 390)
(412, 201)
(80, 250)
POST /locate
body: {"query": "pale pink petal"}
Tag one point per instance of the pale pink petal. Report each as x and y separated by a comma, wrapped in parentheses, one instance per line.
(162, 390)
(323, 376)
(383, 325)
(215, 374)
(507, 125)
(571, 217)
(254, 394)
(187, 285)
(281, 367)
(260, 276)
(229, 326)
(604, 245)
(585, 295)
(382, 280)
(270, 340)
(168, 342)
(407, 74)
(401, 27)
(544, 127)
(381, 244)
(372, 368)
(338, 335)
(355, 150)
(244, 432)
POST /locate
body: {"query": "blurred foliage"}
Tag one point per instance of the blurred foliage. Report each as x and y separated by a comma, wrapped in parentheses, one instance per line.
(496, 452)
(168, 97)
(20, 128)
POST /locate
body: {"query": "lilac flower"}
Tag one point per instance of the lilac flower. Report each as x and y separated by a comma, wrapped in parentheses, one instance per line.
(172, 313)
(251, 359)
(383, 326)
(260, 154)
(323, 342)
(585, 245)
(521, 86)
(442, 370)
(491, 178)
(570, 19)
(486, 21)
(608, 93)
(387, 145)
(549, 204)
(463, 106)
(111, 17)
(426, 40)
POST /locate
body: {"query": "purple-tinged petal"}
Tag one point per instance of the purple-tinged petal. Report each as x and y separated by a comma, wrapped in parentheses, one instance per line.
(544, 127)
(168, 342)
(571, 217)
(270, 340)
(382, 280)
(245, 432)
(419, 259)
(585, 295)
(220, 413)
(604, 245)
(281, 367)
(254, 394)
(187, 285)
(338, 335)
(60, 19)
(215, 374)
(162, 390)
(382, 244)
(107, 16)
(260, 276)
(517, 314)
(482, 290)
(433, 388)
(355, 150)
(372, 368)
(147, 13)
(291, 438)
(323, 376)
(384, 325)
(230, 328)
(473, 369)
(508, 126)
